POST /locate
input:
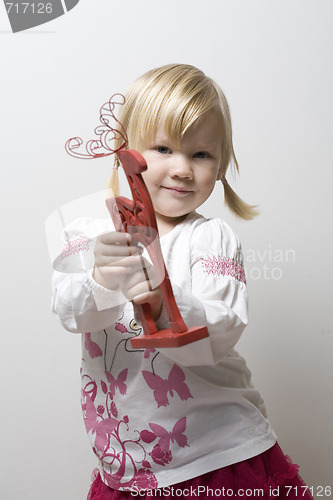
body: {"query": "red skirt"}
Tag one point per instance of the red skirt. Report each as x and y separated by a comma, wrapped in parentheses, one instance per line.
(270, 475)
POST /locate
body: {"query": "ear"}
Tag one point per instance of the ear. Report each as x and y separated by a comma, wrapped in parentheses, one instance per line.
(220, 173)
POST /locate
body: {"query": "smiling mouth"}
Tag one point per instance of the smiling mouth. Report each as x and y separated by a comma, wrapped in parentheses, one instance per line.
(178, 190)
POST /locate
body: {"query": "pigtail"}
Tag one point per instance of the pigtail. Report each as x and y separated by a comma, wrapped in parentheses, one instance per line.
(113, 180)
(236, 204)
(228, 159)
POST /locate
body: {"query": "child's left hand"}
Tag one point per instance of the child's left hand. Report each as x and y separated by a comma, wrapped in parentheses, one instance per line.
(140, 290)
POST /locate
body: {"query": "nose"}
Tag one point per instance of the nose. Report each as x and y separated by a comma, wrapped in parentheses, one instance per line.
(181, 167)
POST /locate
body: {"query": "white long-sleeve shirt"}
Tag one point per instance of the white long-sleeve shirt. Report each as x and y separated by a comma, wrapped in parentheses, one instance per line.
(158, 417)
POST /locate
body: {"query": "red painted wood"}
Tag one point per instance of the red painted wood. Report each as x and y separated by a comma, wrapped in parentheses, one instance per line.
(137, 217)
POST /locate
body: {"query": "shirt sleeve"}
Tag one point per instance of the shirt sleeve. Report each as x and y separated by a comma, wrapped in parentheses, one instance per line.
(81, 304)
(218, 297)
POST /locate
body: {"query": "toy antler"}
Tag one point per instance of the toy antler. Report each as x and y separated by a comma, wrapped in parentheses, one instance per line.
(137, 217)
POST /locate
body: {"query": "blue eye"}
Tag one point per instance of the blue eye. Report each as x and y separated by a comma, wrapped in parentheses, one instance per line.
(201, 155)
(163, 150)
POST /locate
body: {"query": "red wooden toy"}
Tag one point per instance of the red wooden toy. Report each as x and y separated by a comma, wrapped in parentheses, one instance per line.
(137, 217)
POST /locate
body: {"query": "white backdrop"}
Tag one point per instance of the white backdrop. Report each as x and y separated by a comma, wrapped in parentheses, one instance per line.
(274, 61)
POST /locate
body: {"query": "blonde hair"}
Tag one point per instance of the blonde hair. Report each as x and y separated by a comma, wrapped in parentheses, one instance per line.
(177, 95)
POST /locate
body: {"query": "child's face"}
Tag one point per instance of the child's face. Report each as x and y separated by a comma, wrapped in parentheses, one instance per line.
(180, 178)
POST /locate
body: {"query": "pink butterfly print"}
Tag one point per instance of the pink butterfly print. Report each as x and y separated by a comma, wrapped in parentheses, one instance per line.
(121, 328)
(148, 351)
(102, 428)
(177, 434)
(161, 387)
(93, 349)
(117, 383)
(143, 479)
(90, 387)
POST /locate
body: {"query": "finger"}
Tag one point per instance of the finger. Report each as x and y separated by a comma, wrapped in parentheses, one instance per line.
(133, 261)
(139, 275)
(146, 298)
(133, 291)
(154, 299)
(109, 277)
(116, 243)
(113, 271)
(142, 298)
(119, 250)
(115, 237)
(148, 274)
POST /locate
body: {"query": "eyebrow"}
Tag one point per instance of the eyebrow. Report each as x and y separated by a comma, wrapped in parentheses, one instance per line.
(202, 146)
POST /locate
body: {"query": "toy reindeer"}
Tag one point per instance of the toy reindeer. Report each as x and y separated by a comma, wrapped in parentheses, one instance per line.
(137, 217)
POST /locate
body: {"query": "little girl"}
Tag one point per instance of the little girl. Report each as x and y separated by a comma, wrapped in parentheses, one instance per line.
(187, 421)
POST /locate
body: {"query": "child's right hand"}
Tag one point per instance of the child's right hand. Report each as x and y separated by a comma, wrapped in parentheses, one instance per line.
(114, 258)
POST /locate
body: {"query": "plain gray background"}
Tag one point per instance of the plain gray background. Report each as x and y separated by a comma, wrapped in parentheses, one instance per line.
(274, 61)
